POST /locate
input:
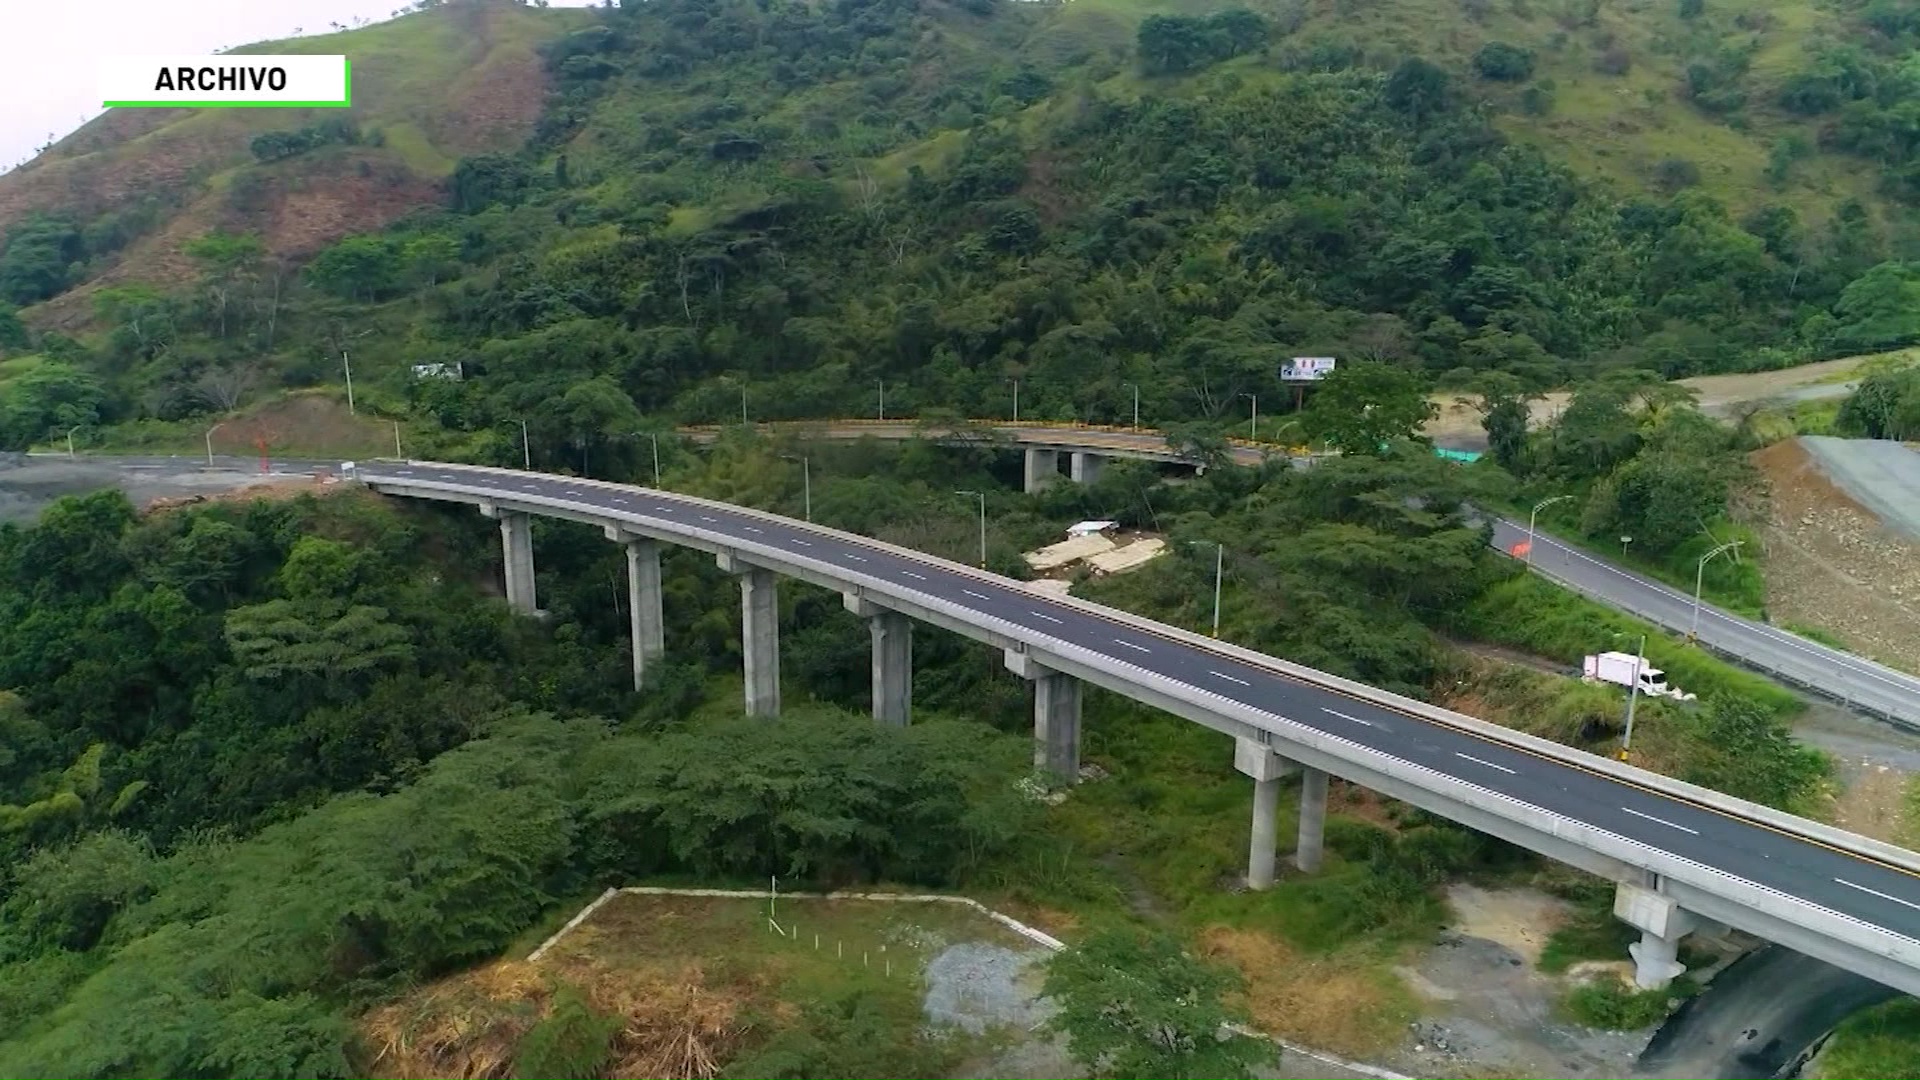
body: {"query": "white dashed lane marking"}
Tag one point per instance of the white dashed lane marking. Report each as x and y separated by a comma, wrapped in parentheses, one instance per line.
(914, 576)
(1878, 893)
(1229, 678)
(749, 528)
(1663, 821)
(1131, 645)
(803, 543)
(853, 558)
(704, 517)
(1479, 761)
(1369, 723)
(976, 595)
(1043, 615)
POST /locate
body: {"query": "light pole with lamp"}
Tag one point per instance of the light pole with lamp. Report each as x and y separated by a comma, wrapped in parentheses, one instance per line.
(1253, 426)
(1537, 507)
(1136, 403)
(397, 452)
(655, 440)
(983, 523)
(348, 365)
(210, 432)
(1016, 399)
(883, 399)
(70, 432)
(1219, 562)
(526, 447)
(806, 481)
(1699, 579)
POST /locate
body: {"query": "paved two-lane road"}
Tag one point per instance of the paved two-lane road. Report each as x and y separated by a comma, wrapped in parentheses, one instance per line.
(1857, 681)
(1854, 887)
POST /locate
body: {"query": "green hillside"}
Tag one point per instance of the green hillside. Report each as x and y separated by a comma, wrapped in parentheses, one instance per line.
(808, 200)
(133, 188)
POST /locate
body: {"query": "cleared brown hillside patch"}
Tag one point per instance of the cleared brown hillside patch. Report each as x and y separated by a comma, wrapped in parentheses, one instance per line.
(1833, 566)
(1344, 1003)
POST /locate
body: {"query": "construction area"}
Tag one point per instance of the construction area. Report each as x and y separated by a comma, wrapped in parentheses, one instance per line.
(1092, 548)
(1833, 563)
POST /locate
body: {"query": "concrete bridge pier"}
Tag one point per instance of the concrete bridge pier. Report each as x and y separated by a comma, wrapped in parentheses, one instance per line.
(516, 542)
(1056, 716)
(1312, 837)
(1085, 466)
(892, 660)
(645, 612)
(1662, 923)
(1267, 769)
(759, 634)
(1043, 467)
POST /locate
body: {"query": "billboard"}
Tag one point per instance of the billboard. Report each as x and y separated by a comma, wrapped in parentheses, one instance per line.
(1306, 368)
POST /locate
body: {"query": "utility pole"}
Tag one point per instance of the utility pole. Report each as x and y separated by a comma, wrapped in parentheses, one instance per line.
(1136, 404)
(655, 439)
(883, 399)
(348, 365)
(1219, 563)
(526, 447)
(1016, 399)
(1253, 428)
(396, 441)
(1633, 697)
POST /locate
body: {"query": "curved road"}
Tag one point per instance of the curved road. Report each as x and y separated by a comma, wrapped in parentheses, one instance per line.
(1852, 680)
(1854, 887)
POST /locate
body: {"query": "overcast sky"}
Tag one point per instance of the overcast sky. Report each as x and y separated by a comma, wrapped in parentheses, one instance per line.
(49, 49)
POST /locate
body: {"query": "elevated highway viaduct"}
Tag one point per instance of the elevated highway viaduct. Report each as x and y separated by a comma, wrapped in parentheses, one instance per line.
(1683, 858)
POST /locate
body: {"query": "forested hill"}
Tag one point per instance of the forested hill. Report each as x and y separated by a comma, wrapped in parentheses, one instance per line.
(807, 200)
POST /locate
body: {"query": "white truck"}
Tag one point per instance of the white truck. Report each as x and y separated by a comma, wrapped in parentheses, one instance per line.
(1618, 667)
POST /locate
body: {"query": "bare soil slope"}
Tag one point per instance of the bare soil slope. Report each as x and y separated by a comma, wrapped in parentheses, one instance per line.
(1833, 565)
(461, 79)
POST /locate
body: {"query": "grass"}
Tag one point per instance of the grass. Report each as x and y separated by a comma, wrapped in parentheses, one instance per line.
(1529, 613)
(300, 424)
(1609, 1004)
(1880, 1042)
(1739, 586)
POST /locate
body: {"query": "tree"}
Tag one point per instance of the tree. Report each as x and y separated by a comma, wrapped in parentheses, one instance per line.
(1362, 407)
(1881, 308)
(1505, 414)
(1502, 62)
(359, 267)
(1134, 1004)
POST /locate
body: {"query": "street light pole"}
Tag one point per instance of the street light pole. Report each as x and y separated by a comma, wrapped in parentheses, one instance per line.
(70, 432)
(1219, 562)
(1699, 579)
(1016, 399)
(983, 522)
(348, 364)
(1136, 404)
(526, 447)
(1537, 507)
(210, 432)
(883, 399)
(743, 403)
(655, 439)
(1253, 428)
(397, 452)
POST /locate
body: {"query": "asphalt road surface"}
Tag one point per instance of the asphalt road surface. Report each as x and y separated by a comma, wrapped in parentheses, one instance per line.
(1882, 474)
(1841, 675)
(1852, 886)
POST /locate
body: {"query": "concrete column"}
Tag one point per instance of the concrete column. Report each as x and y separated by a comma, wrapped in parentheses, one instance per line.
(1056, 717)
(516, 538)
(1258, 761)
(1662, 923)
(644, 606)
(1313, 820)
(759, 635)
(1086, 466)
(1043, 467)
(892, 660)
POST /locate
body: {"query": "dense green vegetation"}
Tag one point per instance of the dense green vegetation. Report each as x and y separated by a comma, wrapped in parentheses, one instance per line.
(1886, 406)
(277, 761)
(798, 205)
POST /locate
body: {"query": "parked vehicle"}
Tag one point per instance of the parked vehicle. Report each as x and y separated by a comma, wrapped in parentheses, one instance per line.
(1618, 668)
